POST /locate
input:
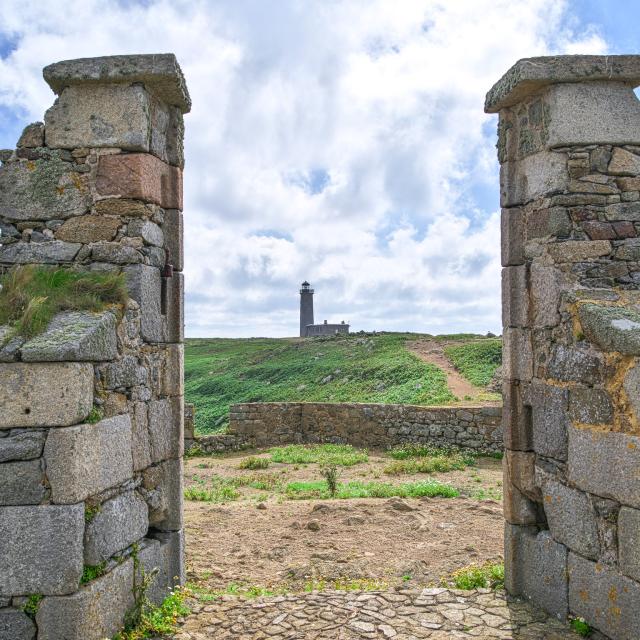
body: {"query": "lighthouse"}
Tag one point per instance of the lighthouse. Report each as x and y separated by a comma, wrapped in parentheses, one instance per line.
(306, 308)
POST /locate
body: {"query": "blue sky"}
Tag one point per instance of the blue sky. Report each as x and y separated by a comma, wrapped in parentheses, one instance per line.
(340, 142)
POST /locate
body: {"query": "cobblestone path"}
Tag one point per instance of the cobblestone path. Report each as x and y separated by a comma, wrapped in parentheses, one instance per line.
(404, 615)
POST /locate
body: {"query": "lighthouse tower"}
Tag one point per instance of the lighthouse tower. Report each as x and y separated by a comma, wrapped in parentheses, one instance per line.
(306, 308)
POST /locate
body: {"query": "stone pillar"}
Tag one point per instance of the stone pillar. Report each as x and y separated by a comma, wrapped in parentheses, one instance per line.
(569, 150)
(91, 426)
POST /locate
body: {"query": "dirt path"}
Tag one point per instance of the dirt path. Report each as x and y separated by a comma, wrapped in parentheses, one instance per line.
(433, 352)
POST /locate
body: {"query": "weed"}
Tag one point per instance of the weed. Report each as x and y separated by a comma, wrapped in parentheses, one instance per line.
(95, 415)
(581, 627)
(330, 474)
(194, 451)
(253, 462)
(30, 607)
(406, 578)
(486, 494)
(343, 455)
(358, 489)
(90, 512)
(345, 584)
(92, 571)
(487, 575)
(220, 490)
(30, 295)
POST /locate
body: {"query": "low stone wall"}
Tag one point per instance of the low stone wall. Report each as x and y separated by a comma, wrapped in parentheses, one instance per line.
(377, 426)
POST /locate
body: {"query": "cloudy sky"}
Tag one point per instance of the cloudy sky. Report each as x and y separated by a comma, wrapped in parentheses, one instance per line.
(339, 141)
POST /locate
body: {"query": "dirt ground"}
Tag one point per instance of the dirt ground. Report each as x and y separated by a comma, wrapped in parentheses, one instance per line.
(267, 540)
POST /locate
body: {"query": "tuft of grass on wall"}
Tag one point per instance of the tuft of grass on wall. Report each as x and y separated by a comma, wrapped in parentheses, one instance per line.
(476, 361)
(30, 295)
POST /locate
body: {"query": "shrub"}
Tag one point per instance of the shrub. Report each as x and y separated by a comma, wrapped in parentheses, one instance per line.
(253, 462)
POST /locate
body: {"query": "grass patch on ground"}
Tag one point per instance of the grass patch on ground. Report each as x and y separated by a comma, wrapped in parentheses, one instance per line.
(409, 450)
(31, 295)
(436, 464)
(343, 455)
(476, 361)
(353, 368)
(345, 584)
(219, 490)
(253, 462)
(357, 489)
(489, 575)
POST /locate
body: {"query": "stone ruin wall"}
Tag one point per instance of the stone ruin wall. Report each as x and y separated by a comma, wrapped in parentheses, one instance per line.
(377, 426)
(569, 148)
(91, 438)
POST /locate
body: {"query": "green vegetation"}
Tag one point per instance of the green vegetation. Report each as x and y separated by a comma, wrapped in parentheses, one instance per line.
(91, 572)
(90, 512)
(30, 607)
(330, 474)
(206, 594)
(161, 620)
(357, 489)
(253, 462)
(487, 575)
(345, 584)
(95, 415)
(353, 368)
(581, 627)
(476, 361)
(434, 464)
(219, 490)
(343, 455)
(31, 295)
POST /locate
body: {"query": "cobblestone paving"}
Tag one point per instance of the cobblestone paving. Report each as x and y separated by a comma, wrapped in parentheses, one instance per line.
(404, 615)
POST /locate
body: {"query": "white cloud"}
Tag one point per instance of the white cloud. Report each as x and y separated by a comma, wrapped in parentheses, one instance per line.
(341, 142)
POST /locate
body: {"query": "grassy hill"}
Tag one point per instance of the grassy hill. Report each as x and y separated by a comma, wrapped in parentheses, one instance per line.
(354, 368)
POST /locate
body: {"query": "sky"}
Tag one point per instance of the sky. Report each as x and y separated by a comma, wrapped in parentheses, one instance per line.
(341, 142)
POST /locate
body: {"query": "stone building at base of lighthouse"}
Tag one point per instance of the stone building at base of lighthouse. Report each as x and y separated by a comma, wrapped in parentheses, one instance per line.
(307, 328)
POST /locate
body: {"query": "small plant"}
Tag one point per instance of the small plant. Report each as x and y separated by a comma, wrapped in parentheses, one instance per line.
(581, 627)
(253, 462)
(92, 571)
(95, 415)
(487, 575)
(330, 474)
(30, 607)
(90, 512)
(219, 490)
(141, 583)
(194, 451)
(406, 578)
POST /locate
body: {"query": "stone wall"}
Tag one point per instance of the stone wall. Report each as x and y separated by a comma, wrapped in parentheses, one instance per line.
(377, 426)
(91, 438)
(569, 148)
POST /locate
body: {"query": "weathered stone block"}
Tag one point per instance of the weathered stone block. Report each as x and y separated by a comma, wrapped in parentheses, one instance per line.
(42, 190)
(553, 222)
(52, 252)
(173, 548)
(631, 387)
(100, 116)
(32, 136)
(84, 460)
(21, 445)
(629, 542)
(610, 602)
(122, 207)
(571, 517)
(549, 407)
(518, 508)
(87, 229)
(532, 177)
(150, 232)
(517, 357)
(145, 288)
(611, 328)
(140, 443)
(520, 469)
(140, 176)
(536, 568)
(95, 612)
(516, 417)
(124, 372)
(115, 253)
(625, 211)
(590, 406)
(624, 163)
(512, 233)
(163, 484)
(578, 250)
(515, 297)
(45, 395)
(546, 288)
(572, 364)
(175, 308)
(166, 430)
(172, 228)
(41, 549)
(172, 373)
(21, 483)
(75, 336)
(605, 464)
(152, 560)
(16, 625)
(119, 523)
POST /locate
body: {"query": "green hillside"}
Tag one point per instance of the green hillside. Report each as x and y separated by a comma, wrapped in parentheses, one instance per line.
(355, 368)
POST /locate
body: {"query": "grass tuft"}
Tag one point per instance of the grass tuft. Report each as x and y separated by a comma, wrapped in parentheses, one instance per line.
(219, 490)
(435, 464)
(30, 295)
(343, 455)
(253, 462)
(91, 572)
(488, 575)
